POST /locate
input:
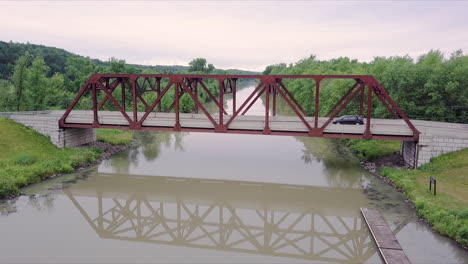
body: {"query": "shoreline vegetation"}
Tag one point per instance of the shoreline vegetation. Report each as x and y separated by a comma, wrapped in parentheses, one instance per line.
(29, 157)
(447, 211)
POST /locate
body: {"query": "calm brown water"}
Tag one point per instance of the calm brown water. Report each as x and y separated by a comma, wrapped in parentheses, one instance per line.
(212, 198)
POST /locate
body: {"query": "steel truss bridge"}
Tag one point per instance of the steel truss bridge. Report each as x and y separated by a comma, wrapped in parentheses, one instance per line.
(244, 217)
(133, 111)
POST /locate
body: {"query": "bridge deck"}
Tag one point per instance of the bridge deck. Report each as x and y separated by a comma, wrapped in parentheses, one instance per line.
(384, 127)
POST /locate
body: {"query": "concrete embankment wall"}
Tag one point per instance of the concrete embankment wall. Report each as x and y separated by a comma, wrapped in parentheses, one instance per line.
(436, 138)
(46, 123)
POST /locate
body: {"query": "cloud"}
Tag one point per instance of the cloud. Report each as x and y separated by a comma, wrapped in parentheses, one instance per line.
(245, 35)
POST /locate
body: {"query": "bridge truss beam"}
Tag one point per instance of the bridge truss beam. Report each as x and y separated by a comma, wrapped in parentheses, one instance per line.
(103, 87)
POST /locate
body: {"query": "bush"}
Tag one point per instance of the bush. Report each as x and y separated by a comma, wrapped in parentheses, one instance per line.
(373, 149)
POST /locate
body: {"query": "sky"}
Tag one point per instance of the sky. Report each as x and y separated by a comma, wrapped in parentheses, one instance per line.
(246, 35)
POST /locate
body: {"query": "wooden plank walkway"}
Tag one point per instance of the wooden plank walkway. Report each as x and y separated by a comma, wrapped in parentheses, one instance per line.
(388, 245)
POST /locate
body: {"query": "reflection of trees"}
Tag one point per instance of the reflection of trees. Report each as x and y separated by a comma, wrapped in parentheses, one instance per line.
(151, 142)
(326, 151)
(340, 164)
(149, 145)
(43, 202)
(121, 162)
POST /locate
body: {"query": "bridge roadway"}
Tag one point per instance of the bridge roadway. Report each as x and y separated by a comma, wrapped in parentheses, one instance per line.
(383, 127)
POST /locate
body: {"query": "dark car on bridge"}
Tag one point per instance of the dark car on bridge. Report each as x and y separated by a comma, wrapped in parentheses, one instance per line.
(349, 120)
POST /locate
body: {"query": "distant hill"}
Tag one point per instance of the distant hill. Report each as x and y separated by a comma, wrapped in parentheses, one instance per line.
(56, 59)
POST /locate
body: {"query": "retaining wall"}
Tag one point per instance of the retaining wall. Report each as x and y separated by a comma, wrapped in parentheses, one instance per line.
(430, 146)
(46, 123)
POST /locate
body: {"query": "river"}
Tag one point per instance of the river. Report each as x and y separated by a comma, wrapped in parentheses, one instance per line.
(213, 198)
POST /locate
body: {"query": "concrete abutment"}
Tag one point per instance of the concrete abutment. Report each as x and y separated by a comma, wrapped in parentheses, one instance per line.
(46, 123)
(430, 146)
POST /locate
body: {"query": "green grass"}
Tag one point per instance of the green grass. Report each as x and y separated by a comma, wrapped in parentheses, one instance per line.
(27, 157)
(447, 212)
(115, 136)
(373, 149)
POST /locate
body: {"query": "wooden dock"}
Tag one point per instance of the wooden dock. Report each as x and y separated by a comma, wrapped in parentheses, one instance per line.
(388, 245)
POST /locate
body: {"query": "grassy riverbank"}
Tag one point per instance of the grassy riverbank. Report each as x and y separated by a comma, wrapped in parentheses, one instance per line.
(372, 150)
(115, 136)
(28, 157)
(447, 212)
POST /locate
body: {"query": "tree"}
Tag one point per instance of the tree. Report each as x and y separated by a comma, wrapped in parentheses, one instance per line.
(36, 85)
(8, 97)
(77, 72)
(55, 95)
(117, 66)
(200, 65)
(19, 76)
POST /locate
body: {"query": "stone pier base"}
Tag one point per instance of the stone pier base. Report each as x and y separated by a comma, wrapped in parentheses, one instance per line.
(46, 123)
(429, 146)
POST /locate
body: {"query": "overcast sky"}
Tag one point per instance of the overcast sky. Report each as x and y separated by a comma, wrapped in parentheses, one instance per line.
(245, 35)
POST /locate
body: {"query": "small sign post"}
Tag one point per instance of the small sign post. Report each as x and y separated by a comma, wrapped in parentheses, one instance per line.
(432, 181)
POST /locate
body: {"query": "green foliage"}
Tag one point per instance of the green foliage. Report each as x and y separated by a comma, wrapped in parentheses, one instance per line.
(28, 157)
(200, 65)
(447, 211)
(373, 149)
(49, 78)
(19, 76)
(36, 85)
(8, 98)
(432, 87)
(10, 52)
(115, 136)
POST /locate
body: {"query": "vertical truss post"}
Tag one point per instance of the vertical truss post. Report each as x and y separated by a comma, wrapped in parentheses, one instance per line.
(266, 130)
(158, 91)
(317, 102)
(177, 126)
(274, 100)
(122, 84)
(367, 132)
(316, 131)
(222, 127)
(95, 109)
(361, 104)
(234, 91)
(195, 91)
(134, 103)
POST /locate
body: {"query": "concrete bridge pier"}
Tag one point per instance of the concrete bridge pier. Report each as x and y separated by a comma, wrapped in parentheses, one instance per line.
(46, 123)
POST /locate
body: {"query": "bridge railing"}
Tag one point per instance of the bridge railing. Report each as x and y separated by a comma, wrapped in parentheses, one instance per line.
(102, 88)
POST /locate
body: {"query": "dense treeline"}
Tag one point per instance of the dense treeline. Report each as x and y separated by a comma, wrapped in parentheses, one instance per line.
(35, 77)
(431, 87)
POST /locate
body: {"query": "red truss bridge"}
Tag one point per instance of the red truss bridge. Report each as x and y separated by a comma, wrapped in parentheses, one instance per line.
(124, 93)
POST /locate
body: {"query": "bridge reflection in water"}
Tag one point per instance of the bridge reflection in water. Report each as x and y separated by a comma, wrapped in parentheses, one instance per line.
(305, 222)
